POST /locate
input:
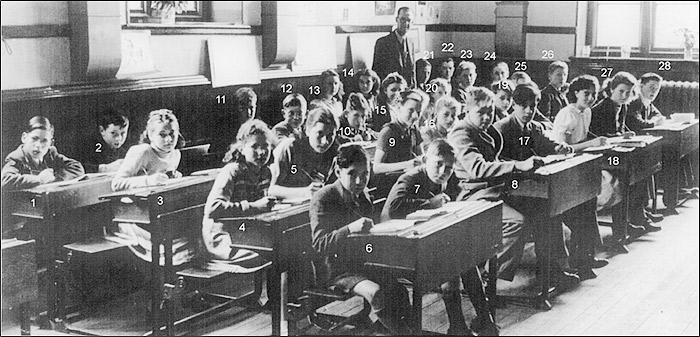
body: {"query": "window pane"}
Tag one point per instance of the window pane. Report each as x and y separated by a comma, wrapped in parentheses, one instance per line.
(618, 24)
(669, 18)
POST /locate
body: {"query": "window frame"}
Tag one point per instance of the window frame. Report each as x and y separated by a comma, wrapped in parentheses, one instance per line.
(646, 36)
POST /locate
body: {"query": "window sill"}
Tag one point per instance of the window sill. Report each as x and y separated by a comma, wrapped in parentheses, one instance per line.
(196, 28)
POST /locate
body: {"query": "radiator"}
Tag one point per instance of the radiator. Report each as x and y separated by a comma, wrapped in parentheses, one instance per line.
(678, 97)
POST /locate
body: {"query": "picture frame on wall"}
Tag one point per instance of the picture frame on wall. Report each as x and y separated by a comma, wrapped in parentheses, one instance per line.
(384, 7)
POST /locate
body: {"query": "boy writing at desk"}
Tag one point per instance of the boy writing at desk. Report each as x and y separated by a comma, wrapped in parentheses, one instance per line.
(524, 138)
(36, 161)
(428, 187)
(303, 166)
(481, 172)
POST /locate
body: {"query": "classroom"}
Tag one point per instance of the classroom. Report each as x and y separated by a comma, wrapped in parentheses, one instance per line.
(367, 168)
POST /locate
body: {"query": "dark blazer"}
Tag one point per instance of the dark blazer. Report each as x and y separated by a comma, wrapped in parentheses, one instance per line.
(552, 101)
(92, 159)
(608, 118)
(412, 192)
(20, 171)
(332, 209)
(516, 149)
(388, 58)
(639, 116)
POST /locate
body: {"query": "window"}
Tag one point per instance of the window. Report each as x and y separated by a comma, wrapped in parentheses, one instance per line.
(670, 18)
(650, 28)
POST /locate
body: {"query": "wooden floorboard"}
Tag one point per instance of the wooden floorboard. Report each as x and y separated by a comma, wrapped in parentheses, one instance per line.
(653, 290)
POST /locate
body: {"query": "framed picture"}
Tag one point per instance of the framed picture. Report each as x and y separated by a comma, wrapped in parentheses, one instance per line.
(384, 7)
(194, 11)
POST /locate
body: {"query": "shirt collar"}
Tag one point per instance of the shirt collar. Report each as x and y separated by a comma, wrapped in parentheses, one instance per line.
(399, 37)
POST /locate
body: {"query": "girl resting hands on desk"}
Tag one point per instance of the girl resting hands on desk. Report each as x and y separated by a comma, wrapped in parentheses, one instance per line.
(156, 159)
(241, 187)
(342, 208)
(152, 163)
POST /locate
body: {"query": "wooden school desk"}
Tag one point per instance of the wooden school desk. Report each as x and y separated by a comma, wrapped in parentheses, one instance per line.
(166, 211)
(435, 251)
(281, 236)
(632, 165)
(679, 140)
(564, 184)
(53, 206)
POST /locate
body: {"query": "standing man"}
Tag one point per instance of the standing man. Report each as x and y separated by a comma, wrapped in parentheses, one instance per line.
(394, 52)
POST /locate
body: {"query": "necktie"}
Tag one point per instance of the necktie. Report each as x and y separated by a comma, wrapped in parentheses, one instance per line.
(405, 59)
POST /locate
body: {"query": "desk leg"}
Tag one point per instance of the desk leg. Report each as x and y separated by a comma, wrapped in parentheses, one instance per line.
(417, 308)
(671, 175)
(491, 285)
(156, 284)
(544, 266)
(276, 299)
(53, 244)
(167, 272)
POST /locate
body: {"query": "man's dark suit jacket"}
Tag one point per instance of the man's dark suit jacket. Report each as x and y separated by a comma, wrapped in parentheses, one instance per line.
(388, 58)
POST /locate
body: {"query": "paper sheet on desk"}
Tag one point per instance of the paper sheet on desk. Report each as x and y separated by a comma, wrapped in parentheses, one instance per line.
(393, 225)
(634, 141)
(287, 203)
(83, 177)
(448, 208)
(598, 148)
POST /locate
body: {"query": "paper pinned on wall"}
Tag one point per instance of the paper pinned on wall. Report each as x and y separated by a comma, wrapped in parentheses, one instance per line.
(136, 55)
(315, 48)
(233, 61)
(362, 51)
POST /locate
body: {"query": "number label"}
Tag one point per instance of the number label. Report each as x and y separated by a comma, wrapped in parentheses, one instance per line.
(614, 161)
(503, 85)
(314, 90)
(428, 54)
(369, 248)
(466, 54)
(33, 201)
(521, 66)
(286, 88)
(293, 169)
(392, 142)
(98, 147)
(514, 184)
(160, 200)
(431, 123)
(381, 110)
(524, 140)
(431, 87)
(417, 188)
(221, 99)
(347, 72)
(489, 56)
(242, 227)
(664, 65)
(547, 54)
(347, 131)
(448, 47)
(606, 72)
